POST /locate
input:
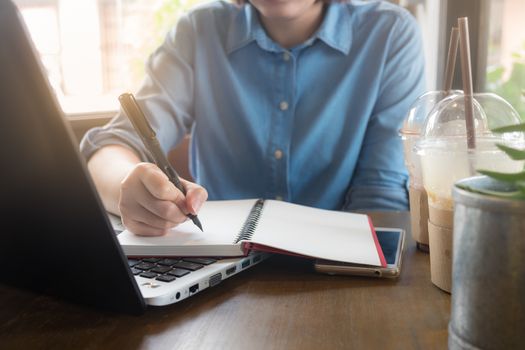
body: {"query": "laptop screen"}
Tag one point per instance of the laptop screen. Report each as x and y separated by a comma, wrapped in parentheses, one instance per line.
(55, 237)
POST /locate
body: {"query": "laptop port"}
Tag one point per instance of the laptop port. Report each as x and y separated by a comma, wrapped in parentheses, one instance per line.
(256, 259)
(245, 263)
(215, 279)
(231, 270)
(194, 288)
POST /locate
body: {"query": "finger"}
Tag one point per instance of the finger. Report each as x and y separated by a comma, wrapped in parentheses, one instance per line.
(164, 209)
(160, 187)
(196, 195)
(137, 212)
(142, 229)
(158, 184)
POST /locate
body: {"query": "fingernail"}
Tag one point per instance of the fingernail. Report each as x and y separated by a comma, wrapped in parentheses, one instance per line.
(197, 204)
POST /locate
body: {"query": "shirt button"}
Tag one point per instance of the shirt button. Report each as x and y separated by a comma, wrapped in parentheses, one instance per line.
(278, 154)
(286, 56)
(279, 198)
(283, 105)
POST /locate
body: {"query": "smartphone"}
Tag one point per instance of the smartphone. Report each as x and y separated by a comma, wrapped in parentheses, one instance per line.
(392, 241)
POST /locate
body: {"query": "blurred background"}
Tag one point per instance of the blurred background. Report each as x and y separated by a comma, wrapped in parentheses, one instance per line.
(93, 50)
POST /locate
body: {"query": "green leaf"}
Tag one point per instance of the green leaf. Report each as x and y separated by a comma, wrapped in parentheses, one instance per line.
(507, 177)
(510, 128)
(495, 74)
(514, 153)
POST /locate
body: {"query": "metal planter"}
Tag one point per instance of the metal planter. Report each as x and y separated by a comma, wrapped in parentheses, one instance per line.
(488, 273)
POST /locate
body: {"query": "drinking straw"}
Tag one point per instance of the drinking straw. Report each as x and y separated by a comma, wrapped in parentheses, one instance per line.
(451, 59)
(466, 75)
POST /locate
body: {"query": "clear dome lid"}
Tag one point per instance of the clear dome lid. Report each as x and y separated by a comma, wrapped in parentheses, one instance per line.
(446, 123)
(421, 108)
(443, 148)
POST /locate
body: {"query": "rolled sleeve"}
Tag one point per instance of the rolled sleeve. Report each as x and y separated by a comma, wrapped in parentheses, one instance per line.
(112, 134)
(380, 179)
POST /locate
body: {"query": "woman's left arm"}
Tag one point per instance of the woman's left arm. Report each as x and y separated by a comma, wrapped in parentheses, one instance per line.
(380, 179)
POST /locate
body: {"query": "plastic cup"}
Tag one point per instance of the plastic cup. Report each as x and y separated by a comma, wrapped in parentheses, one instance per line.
(410, 134)
(443, 164)
(445, 158)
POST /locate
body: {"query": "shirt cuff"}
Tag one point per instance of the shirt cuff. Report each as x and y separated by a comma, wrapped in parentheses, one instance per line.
(376, 198)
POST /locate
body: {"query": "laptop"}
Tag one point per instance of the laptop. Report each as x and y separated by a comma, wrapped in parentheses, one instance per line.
(55, 235)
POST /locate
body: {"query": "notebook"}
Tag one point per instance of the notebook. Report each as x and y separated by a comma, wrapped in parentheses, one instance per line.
(56, 236)
(236, 227)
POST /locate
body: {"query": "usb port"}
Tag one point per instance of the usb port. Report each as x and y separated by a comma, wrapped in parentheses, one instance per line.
(215, 279)
(194, 288)
(257, 258)
(245, 263)
(231, 270)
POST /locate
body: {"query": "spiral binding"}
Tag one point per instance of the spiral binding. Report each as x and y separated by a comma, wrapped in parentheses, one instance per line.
(249, 226)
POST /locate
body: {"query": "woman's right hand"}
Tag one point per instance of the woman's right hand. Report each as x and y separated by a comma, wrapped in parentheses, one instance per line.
(150, 204)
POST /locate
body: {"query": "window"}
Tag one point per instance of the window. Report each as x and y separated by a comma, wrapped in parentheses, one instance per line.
(497, 38)
(506, 52)
(93, 50)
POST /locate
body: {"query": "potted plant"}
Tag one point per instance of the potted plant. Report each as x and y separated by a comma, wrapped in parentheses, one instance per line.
(488, 273)
(505, 185)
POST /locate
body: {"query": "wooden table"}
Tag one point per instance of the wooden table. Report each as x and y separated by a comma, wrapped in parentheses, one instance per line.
(279, 304)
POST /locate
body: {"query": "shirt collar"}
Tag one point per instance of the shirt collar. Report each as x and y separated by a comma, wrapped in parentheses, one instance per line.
(335, 30)
(245, 28)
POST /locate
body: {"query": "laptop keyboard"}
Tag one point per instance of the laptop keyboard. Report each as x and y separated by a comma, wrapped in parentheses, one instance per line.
(167, 269)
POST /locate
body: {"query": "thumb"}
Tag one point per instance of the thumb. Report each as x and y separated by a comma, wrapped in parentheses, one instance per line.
(196, 195)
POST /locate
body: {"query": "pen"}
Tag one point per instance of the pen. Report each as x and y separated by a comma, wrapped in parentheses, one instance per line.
(148, 136)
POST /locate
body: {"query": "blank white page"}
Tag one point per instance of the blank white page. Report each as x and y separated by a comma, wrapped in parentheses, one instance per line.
(318, 233)
(221, 220)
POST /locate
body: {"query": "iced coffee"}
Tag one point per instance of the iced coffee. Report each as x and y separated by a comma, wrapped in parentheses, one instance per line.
(445, 159)
(410, 134)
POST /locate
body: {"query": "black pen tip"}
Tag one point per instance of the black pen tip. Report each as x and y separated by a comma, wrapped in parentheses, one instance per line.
(197, 223)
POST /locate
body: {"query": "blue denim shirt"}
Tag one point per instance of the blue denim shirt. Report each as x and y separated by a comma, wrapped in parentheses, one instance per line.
(316, 124)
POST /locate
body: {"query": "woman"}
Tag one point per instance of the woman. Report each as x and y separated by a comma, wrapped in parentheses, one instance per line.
(298, 100)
